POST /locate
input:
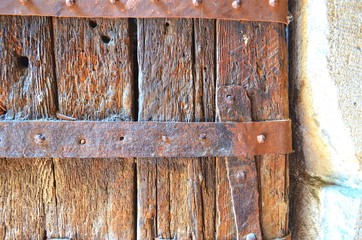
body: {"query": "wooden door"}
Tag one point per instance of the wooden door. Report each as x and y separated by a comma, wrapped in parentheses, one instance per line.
(139, 70)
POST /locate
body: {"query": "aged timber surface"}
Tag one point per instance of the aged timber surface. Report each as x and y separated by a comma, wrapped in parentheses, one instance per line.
(93, 79)
(95, 197)
(176, 199)
(254, 56)
(27, 91)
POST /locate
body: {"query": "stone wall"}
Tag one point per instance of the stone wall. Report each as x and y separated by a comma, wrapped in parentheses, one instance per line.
(326, 106)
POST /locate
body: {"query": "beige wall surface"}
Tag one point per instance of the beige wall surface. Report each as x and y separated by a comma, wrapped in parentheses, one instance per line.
(326, 104)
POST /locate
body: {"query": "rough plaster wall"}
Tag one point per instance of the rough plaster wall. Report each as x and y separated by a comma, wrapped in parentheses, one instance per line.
(330, 87)
(344, 64)
(326, 104)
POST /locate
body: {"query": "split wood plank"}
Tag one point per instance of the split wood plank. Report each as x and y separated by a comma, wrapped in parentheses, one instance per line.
(176, 199)
(95, 197)
(27, 92)
(254, 55)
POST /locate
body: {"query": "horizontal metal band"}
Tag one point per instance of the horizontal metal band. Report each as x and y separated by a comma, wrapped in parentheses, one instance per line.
(255, 10)
(65, 139)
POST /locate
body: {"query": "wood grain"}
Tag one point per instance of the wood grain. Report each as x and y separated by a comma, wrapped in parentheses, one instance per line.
(27, 84)
(27, 91)
(241, 171)
(95, 197)
(94, 68)
(175, 198)
(178, 71)
(254, 56)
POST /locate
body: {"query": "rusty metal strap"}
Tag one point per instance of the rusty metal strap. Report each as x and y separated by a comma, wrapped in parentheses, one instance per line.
(65, 139)
(255, 10)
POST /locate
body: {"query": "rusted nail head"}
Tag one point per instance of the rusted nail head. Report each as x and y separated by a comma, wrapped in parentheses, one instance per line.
(236, 4)
(260, 138)
(113, 1)
(202, 136)
(82, 141)
(242, 175)
(196, 2)
(250, 236)
(39, 138)
(69, 2)
(24, 1)
(164, 138)
(230, 99)
(273, 3)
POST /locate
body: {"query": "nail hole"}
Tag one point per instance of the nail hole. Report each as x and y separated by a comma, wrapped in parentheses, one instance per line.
(82, 141)
(167, 24)
(105, 39)
(121, 138)
(92, 24)
(23, 62)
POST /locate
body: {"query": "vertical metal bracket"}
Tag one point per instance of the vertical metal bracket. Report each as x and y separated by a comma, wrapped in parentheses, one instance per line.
(233, 104)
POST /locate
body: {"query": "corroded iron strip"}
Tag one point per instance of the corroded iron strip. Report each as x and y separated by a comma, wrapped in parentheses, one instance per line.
(65, 139)
(256, 10)
(233, 104)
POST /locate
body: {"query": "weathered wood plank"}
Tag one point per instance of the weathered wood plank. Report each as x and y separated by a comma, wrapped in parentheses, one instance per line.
(27, 91)
(203, 169)
(241, 172)
(94, 68)
(175, 198)
(95, 197)
(253, 55)
(27, 84)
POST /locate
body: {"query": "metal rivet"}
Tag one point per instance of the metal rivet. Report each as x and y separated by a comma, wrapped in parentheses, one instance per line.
(260, 138)
(250, 236)
(273, 3)
(236, 4)
(230, 99)
(39, 138)
(82, 141)
(196, 2)
(202, 136)
(241, 175)
(69, 2)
